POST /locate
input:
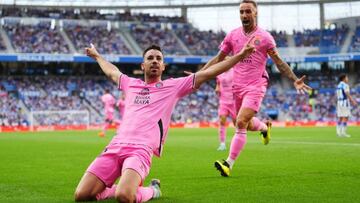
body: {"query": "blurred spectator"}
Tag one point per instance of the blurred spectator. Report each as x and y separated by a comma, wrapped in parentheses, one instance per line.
(307, 38)
(355, 44)
(62, 13)
(40, 38)
(11, 113)
(146, 36)
(200, 42)
(280, 38)
(2, 45)
(107, 42)
(328, 40)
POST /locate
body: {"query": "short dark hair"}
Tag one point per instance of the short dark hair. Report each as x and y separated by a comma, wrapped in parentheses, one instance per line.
(342, 77)
(253, 2)
(156, 47)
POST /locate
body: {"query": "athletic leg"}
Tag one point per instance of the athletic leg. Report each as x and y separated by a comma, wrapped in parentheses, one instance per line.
(222, 132)
(89, 186)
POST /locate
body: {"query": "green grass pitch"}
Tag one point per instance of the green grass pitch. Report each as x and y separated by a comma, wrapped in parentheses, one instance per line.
(299, 165)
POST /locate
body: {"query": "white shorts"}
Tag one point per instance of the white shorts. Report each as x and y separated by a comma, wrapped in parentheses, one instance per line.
(343, 111)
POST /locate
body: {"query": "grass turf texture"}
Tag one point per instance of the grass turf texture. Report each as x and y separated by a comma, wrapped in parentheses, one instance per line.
(299, 165)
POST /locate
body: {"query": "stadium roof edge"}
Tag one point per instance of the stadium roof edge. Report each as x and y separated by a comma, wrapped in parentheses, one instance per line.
(74, 5)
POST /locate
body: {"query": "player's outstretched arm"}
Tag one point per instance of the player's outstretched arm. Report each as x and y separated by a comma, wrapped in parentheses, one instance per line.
(218, 68)
(110, 70)
(216, 59)
(284, 69)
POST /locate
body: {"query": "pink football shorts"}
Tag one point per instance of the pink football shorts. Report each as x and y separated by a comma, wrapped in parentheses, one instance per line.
(249, 98)
(110, 164)
(227, 110)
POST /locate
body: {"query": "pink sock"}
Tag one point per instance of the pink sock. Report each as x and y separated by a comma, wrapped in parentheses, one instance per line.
(107, 193)
(257, 125)
(144, 194)
(222, 133)
(237, 143)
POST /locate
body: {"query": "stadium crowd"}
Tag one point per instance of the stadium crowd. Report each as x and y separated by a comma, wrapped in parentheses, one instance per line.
(355, 45)
(169, 32)
(2, 45)
(21, 95)
(87, 14)
(146, 35)
(110, 43)
(11, 112)
(200, 42)
(32, 38)
(280, 38)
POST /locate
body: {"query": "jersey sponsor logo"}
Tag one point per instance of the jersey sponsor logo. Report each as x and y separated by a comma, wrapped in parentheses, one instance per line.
(247, 60)
(143, 97)
(144, 91)
(142, 100)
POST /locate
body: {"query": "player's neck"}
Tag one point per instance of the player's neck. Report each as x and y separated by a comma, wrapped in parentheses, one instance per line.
(150, 80)
(249, 29)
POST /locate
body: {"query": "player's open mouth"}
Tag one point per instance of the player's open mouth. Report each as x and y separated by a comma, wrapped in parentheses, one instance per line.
(246, 22)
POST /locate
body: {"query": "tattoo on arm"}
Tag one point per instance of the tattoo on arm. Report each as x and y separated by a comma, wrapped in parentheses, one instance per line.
(286, 70)
(283, 67)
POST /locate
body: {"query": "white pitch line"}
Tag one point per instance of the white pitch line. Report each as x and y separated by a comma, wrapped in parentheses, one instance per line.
(316, 143)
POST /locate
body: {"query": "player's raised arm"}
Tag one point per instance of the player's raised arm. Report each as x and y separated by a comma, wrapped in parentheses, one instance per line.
(284, 69)
(218, 68)
(216, 59)
(110, 70)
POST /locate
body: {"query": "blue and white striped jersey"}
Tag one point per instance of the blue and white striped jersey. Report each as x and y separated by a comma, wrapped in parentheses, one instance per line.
(342, 99)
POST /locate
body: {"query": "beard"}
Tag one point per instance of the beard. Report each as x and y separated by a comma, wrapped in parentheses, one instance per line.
(153, 73)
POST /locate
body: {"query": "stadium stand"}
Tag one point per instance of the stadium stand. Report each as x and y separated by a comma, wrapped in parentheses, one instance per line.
(35, 38)
(11, 111)
(280, 38)
(63, 29)
(307, 38)
(145, 35)
(355, 44)
(2, 45)
(81, 31)
(83, 93)
(88, 14)
(200, 106)
(333, 39)
(110, 41)
(200, 42)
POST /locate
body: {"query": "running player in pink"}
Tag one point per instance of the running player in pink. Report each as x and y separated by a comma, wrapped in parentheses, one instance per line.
(144, 128)
(121, 104)
(250, 79)
(226, 104)
(109, 108)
